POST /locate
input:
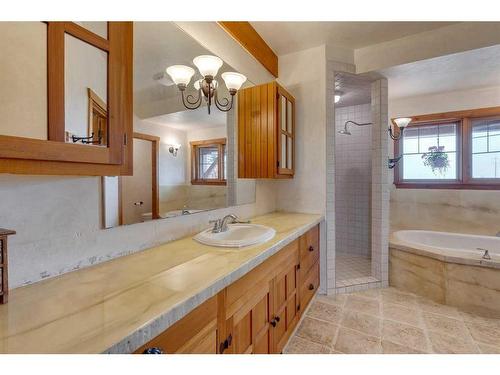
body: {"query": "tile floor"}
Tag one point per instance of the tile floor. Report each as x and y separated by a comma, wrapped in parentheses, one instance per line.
(351, 269)
(391, 321)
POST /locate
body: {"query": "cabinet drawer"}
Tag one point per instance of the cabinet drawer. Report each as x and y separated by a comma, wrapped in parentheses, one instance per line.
(309, 285)
(309, 249)
(196, 333)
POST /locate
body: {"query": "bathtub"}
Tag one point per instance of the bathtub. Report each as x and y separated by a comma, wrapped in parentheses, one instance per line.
(452, 247)
(448, 268)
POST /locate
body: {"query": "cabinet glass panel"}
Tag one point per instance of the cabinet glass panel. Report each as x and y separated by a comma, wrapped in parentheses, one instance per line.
(283, 113)
(23, 79)
(289, 153)
(283, 163)
(85, 91)
(289, 112)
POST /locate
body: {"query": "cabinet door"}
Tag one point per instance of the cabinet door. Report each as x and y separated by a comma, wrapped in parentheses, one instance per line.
(286, 133)
(286, 306)
(248, 330)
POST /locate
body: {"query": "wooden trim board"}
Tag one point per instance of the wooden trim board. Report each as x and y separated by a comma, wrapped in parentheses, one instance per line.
(244, 33)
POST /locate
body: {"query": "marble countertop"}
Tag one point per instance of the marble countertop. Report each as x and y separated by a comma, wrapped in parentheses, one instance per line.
(117, 306)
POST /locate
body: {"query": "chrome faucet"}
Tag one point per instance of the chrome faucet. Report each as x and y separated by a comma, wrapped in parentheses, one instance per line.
(220, 225)
(486, 254)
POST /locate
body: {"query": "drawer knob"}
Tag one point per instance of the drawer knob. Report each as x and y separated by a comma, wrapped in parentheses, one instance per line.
(311, 248)
(273, 322)
(311, 287)
(153, 351)
(277, 318)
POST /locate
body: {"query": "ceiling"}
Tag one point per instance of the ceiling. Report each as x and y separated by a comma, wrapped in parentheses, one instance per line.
(460, 71)
(286, 37)
(191, 119)
(356, 89)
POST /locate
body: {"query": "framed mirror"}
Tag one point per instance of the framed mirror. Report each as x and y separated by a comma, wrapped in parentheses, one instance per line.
(184, 161)
(69, 97)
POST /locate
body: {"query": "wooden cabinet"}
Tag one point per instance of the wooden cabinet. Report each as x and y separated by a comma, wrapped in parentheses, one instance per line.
(257, 313)
(266, 132)
(286, 304)
(309, 266)
(261, 308)
(196, 333)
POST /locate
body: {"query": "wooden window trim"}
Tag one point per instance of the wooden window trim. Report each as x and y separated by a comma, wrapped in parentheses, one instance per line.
(95, 103)
(155, 178)
(464, 151)
(35, 156)
(221, 144)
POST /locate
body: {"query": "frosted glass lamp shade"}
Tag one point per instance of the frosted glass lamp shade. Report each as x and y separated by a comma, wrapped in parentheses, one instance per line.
(208, 65)
(180, 74)
(233, 80)
(336, 98)
(402, 122)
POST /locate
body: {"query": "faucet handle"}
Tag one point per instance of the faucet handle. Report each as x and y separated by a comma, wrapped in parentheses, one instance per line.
(486, 254)
(217, 225)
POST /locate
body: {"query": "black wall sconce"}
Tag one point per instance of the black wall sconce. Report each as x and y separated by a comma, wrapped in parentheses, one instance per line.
(401, 123)
(394, 161)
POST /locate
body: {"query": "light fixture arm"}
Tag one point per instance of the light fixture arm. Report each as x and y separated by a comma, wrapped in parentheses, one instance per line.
(188, 100)
(225, 105)
(396, 137)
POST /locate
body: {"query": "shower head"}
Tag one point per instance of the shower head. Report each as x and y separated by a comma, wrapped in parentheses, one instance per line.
(347, 132)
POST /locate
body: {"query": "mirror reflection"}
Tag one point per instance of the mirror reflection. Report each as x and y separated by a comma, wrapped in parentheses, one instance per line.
(184, 160)
(85, 92)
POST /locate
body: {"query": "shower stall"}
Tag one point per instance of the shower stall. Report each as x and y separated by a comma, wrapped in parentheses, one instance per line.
(353, 153)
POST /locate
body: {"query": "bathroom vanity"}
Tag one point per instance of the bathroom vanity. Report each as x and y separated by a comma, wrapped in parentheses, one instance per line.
(181, 297)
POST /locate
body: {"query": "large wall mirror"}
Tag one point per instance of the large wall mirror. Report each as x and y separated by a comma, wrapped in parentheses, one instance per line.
(183, 160)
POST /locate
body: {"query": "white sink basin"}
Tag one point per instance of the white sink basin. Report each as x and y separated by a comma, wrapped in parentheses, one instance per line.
(237, 235)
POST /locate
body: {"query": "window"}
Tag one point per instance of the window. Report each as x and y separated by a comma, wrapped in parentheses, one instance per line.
(459, 150)
(486, 148)
(430, 152)
(208, 162)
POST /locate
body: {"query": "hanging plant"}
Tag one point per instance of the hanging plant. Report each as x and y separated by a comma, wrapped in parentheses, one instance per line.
(437, 159)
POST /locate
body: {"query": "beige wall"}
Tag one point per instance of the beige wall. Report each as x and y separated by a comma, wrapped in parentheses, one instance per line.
(23, 79)
(304, 75)
(467, 211)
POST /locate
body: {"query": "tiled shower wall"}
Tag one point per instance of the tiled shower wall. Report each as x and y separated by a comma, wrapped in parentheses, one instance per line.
(380, 182)
(353, 175)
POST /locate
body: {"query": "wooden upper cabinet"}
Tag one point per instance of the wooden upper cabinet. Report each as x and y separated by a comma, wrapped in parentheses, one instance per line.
(266, 132)
(82, 87)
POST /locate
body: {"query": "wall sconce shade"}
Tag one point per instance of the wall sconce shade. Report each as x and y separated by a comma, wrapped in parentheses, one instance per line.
(233, 80)
(207, 65)
(401, 123)
(180, 74)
